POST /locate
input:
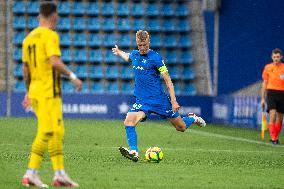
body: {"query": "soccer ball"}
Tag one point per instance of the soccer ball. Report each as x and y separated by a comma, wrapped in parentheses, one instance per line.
(154, 154)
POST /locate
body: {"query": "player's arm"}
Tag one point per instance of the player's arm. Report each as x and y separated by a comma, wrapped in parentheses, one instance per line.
(263, 93)
(170, 87)
(26, 74)
(61, 68)
(121, 53)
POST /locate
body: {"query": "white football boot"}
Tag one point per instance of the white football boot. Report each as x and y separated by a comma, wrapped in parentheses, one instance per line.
(33, 180)
(197, 120)
(62, 180)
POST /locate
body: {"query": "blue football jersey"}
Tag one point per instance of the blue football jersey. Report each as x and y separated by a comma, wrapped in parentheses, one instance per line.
(148, 86)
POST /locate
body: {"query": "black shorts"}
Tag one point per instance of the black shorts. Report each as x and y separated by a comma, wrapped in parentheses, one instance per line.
(275, 100)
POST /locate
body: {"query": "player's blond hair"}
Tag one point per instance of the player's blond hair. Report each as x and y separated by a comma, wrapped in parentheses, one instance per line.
(142, 35)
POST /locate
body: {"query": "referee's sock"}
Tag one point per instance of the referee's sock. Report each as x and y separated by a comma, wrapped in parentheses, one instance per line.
(272, 131)
(131, 137)
(278, 127)
(188, 120)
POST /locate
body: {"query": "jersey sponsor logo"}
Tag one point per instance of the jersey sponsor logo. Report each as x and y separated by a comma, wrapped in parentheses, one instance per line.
(144, 61)
(138, 68)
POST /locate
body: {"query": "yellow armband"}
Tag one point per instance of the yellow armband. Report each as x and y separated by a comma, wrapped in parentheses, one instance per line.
(163, 69)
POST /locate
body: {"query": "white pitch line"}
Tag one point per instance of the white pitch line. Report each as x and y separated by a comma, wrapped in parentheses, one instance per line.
(235, 138)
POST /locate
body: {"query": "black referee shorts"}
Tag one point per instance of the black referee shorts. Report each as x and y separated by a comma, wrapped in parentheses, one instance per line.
(275, 100)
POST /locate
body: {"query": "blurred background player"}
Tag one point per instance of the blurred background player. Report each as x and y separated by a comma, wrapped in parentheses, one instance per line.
(150, 97)
(273, 92)
(42, 69)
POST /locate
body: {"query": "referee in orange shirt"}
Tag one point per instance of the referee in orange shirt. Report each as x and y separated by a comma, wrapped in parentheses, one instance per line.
(273, 94)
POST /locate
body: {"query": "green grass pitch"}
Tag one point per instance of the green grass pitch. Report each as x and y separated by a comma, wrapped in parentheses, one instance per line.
(210, 157)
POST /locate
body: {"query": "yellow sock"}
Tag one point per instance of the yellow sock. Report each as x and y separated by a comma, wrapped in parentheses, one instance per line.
(55, 148)
(38, 148)
(35, 161)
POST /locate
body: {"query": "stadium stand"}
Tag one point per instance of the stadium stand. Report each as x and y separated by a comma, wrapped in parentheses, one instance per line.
(89, 29)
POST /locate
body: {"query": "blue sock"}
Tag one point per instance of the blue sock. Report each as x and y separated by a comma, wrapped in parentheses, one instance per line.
(131, 137)
(188, 121)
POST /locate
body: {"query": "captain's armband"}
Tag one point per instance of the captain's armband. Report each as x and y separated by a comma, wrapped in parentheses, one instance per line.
(163, 69)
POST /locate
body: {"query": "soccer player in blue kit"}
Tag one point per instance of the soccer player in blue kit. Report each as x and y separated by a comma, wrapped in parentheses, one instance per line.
(150, 97)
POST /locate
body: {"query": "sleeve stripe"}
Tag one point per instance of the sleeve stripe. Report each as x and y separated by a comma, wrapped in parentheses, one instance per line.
(163, 69)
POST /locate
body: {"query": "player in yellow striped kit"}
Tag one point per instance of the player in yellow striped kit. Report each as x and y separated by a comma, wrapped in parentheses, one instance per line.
(42, 67)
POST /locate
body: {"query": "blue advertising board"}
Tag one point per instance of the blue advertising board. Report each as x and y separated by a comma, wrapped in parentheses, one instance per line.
(111, 106)
(3, 104)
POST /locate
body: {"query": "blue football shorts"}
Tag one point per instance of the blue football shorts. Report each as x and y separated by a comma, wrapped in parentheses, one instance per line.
(162, 109)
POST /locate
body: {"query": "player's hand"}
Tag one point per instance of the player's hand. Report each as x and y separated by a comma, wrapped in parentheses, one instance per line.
(26, 103)
(115, 50)
(175, 106)
(77, 83)
(262, 104)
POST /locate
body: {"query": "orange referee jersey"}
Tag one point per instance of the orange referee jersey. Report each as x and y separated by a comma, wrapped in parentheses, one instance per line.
(274, 75)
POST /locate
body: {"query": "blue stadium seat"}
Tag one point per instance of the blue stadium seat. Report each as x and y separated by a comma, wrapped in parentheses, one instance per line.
(183, 26)
(65, 39)
(107, 9)
(125, 40)
(126, 72)
(85, 87)
(81, 71)
(110, 40)
(93, 8)
(98, 88)
(64, 23)
(182, 10)
(66, 55)
(188, 73)
(95, 40)
(185, 41)
(127, 88)
(110, 57)
(19, 37)
(79, 23)
(186, 57)
(19, 7)
(174, 73)
(80, 39)
(112, 72)
(17, 54)
(169, 25)
(123, 24)
(178, 88)
(156, 40)
(80, 56)
(138, 24)
(167, 10)
(64, 8)
(112, 88)
(154, 25)
(67, 87)
(189, 89)
(171, 57)
(33, 7)
(18, 70)
(20, 86)
(33, 22)
(95, 56)
(137, 9)
(170, 41)
(96, 72)
(108, 24)
(79, 8)
(93, 24)
(152, 9)
(19, 22)
(122, 9)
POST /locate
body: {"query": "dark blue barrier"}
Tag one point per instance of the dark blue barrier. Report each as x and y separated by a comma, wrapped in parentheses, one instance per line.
(238, 111)
(112, 106)
(3, 104)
